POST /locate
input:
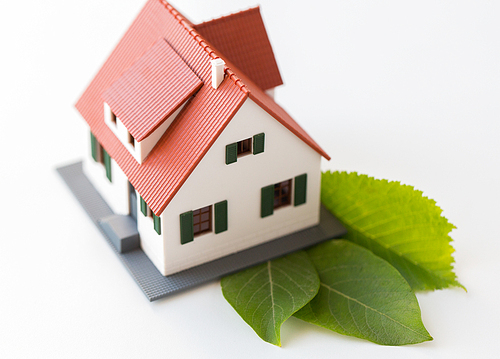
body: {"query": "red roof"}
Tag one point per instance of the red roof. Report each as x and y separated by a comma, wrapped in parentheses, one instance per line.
(198, 125)
(243, 40)
(153, 88)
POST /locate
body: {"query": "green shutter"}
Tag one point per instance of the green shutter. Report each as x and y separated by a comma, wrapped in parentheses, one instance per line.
(258, 143)
(300, 190)
(93, 146)
(107, 164)
(157, 223)
(231, 153)
(220, 217)
(144, 207)
(267, 201)
(187, 227)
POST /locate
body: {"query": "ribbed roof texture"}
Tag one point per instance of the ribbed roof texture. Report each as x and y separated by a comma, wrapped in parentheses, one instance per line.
(153, 88)
(243, 40)
(200, 122)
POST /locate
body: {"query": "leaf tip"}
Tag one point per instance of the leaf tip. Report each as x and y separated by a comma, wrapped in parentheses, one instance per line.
(459, 285)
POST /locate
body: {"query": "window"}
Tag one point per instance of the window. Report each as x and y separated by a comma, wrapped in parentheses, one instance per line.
(157, 223)
(282, 194)
(198, 222)
(275, 196)
(146, 211)
(96, 149)
(100, 155)
(131, 139)
(107, 164)
(113, 117)
(202, 220)
(244, 147)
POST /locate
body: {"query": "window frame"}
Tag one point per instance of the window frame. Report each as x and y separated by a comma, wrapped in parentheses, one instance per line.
(112, 117)
(244, 147)
(251, 145)
(279, 194)
(197, 220)
(130, 139)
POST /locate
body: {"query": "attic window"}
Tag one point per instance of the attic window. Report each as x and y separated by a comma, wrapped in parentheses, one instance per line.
(113, 117)
(244, 147)
(131, 139)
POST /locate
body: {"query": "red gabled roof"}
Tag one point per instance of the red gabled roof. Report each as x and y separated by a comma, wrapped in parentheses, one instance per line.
(198, 125)
(153, 88)
(243, 40)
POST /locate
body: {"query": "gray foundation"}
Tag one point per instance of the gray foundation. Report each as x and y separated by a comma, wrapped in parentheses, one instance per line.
(152, 282)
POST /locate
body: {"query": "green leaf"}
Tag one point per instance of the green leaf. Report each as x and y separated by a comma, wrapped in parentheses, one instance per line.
(396, 223)
(268, 294)
(363, 296)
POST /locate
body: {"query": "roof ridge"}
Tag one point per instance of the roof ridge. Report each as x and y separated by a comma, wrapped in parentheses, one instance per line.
(256, 8)
(199, 39)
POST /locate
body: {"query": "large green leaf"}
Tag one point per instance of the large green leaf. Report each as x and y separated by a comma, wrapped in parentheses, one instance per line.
(268, 294)
(363, 296)
(396, 223)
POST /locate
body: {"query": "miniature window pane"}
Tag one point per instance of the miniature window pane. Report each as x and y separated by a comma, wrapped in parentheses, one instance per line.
(282, 193)
(244, 147)
(300, 190)
(202, 220)
(131, 139)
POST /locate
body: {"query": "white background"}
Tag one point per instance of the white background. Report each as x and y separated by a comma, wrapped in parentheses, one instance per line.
(398, 90)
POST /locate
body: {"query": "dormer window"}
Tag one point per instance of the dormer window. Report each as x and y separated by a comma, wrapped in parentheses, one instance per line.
(147, 109)
(131, 139)
(113, 118)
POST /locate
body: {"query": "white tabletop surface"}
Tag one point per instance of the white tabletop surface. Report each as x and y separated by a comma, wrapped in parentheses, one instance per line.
(408, 91)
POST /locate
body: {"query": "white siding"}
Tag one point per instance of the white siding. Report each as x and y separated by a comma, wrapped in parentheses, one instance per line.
(115, 193)
(240, 183)
(151, 242)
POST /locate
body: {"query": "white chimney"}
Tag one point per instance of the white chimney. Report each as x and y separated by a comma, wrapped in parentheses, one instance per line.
(217, 72)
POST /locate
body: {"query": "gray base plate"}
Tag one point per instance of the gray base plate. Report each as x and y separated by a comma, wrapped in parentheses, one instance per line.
(153, 283)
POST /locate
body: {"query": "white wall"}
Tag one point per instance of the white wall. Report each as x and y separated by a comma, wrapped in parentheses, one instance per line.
(115, 193)
(152, 243)
(240, 183)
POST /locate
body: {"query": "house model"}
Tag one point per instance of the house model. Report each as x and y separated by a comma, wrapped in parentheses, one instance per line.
(187, 143)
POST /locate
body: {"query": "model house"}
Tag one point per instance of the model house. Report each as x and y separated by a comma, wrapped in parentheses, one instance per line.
(187, 141)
